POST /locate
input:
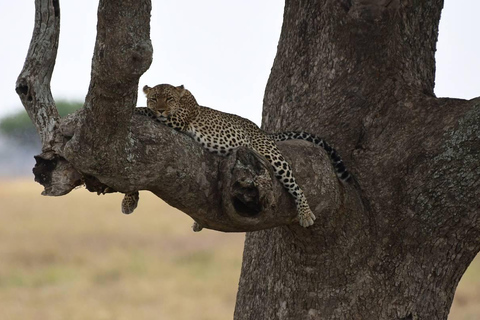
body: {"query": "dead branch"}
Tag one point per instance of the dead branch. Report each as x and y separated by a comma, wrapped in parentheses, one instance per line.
(33, 83)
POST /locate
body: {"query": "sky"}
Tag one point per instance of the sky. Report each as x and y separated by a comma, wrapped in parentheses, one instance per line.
(220, 50)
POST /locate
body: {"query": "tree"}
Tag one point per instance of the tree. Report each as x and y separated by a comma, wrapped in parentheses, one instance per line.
(393, 245)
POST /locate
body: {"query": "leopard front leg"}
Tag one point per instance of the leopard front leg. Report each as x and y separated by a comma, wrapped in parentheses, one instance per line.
(284, 173)
(144, 111)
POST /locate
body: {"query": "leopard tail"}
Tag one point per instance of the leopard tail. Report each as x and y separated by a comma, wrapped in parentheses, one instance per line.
(340, 170)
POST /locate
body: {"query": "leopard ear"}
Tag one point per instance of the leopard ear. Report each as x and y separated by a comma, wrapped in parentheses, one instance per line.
(146, 89)
(181, 90)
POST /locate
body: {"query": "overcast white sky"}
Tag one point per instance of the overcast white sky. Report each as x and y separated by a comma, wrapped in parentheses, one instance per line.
(221, 50)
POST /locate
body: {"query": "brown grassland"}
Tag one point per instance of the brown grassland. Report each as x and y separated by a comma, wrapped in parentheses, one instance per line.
(78, 257)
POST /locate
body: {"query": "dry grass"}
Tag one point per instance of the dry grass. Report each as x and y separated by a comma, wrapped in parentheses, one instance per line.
(466, 305)
(78, 257)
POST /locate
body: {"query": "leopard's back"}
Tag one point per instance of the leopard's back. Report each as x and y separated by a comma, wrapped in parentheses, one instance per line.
(221, 132)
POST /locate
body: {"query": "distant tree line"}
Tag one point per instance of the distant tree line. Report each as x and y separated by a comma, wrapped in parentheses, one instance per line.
(19, 127)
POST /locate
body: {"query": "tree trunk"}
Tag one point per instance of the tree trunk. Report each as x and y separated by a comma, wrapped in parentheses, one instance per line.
(361, 74)
(391, 245)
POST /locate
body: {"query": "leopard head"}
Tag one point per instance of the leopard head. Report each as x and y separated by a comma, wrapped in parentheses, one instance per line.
(164, 99)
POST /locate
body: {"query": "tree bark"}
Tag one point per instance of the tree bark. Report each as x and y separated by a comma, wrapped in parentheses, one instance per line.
(361, 73)
(392, 245)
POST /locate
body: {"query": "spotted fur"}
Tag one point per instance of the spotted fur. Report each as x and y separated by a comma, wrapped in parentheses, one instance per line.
(220, 133)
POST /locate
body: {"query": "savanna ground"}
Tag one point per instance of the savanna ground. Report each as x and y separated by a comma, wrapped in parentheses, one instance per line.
(78, 257)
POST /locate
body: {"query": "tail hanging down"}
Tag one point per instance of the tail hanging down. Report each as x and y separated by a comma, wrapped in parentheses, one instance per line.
(341, 171)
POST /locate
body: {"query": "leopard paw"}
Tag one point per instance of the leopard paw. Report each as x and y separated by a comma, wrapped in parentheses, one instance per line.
(306, 217)
(196, 227)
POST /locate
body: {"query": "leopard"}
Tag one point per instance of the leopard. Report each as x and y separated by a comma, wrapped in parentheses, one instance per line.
(221, 133)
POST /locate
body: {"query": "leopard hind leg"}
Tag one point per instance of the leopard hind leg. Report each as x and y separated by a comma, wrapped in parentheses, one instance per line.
(130, 202)
(284, 173)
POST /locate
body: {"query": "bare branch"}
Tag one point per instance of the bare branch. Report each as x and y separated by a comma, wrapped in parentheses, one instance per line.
(33, 88)
(33, 83)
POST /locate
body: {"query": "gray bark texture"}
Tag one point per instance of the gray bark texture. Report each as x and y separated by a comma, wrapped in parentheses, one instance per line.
(361, 73)
(391, 245)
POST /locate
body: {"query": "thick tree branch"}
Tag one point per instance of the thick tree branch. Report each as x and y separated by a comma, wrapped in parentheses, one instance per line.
(234, 193)
(239, 192)
(123, 52)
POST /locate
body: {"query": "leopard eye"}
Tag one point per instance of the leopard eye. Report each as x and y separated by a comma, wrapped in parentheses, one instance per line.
(153, 99)
(169, 99)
